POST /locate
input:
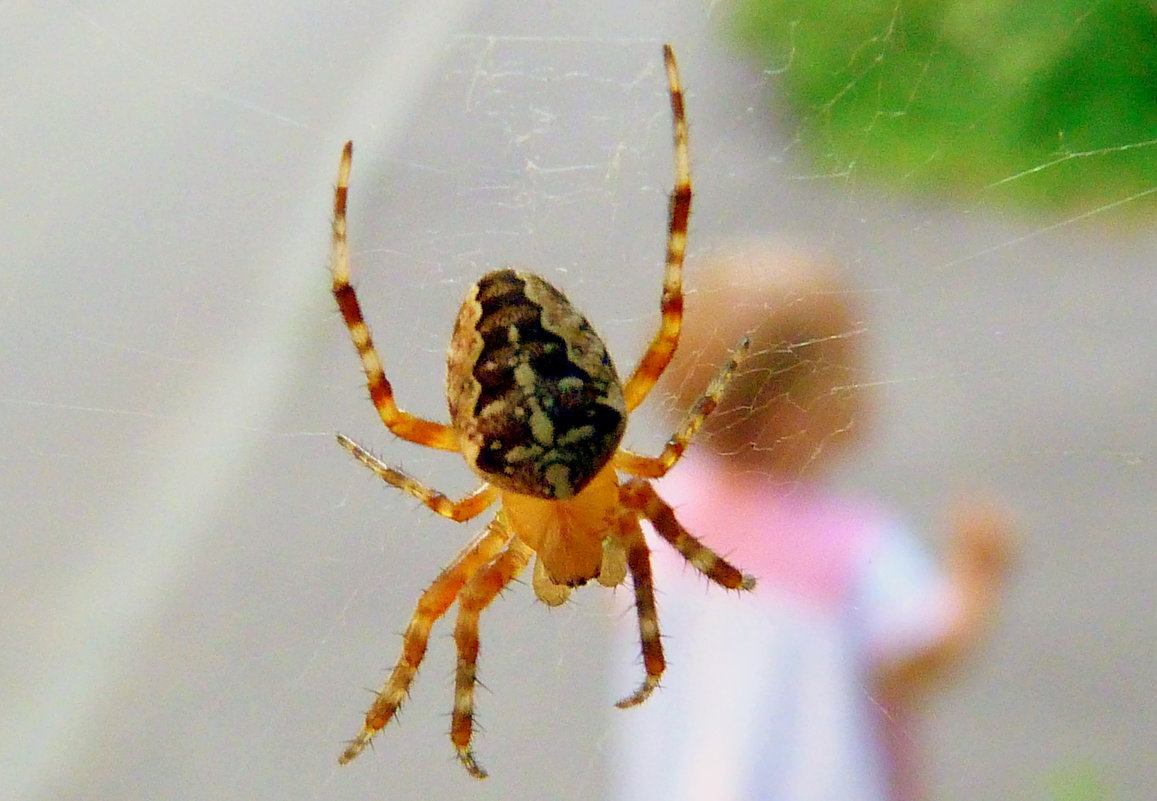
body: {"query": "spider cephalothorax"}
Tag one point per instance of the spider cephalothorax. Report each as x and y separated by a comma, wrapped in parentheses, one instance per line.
(538, 412)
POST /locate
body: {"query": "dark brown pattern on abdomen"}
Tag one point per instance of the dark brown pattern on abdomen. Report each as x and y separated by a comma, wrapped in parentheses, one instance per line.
(544, 424)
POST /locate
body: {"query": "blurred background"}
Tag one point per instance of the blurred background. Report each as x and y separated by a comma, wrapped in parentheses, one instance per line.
(198, 583)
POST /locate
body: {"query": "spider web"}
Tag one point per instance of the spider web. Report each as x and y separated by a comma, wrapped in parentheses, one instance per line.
(199, 580)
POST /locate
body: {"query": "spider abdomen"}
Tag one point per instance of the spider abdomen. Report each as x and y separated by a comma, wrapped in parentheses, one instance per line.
(533, 395)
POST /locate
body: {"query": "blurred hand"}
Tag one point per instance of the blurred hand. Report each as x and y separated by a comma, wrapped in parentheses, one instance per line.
(982, 543)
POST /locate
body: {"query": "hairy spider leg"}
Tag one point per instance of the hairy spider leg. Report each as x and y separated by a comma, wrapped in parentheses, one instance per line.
(402, 424)
(461, 510)
(478, 593)
(662, 347)
(642, 580)
(432, 604)
(638, 495)
(656, 467)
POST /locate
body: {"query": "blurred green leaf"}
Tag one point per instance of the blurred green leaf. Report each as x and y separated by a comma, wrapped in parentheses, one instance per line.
(1040, 103)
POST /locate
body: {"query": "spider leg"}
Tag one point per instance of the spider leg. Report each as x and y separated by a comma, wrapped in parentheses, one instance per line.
(480, 590)
(638, 494)
(432, 604)
(662, 347)
(459, 511)
(403, 424)
(657, 467)
(639, 563)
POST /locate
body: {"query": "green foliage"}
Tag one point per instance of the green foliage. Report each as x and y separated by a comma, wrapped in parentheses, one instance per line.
(1042, 103)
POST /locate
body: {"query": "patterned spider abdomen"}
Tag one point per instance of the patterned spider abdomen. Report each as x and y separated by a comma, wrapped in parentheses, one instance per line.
(533, 394)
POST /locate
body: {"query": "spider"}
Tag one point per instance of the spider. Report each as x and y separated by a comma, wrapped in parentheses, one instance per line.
(538, 411)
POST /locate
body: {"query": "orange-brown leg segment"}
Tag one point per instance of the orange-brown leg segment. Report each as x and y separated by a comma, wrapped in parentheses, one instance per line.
(476, 596)
(638, 494)
(662, 347)
(639, 564)
(657, 467)
(403, 424)
(432, 605)
(459, 511)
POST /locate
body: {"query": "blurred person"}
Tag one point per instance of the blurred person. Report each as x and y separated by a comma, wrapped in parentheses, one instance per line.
(804, 689)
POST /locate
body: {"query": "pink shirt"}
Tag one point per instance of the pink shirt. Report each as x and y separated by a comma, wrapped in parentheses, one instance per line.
(767, 694)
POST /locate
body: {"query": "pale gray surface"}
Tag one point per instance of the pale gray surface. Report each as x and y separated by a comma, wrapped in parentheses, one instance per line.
(197, 581)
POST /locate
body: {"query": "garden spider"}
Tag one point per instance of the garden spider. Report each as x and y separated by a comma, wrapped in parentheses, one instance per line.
(538, 411)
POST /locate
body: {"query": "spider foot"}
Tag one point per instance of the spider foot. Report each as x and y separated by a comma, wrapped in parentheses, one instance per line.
(466, 757)
(356, 746)
(640, 695)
